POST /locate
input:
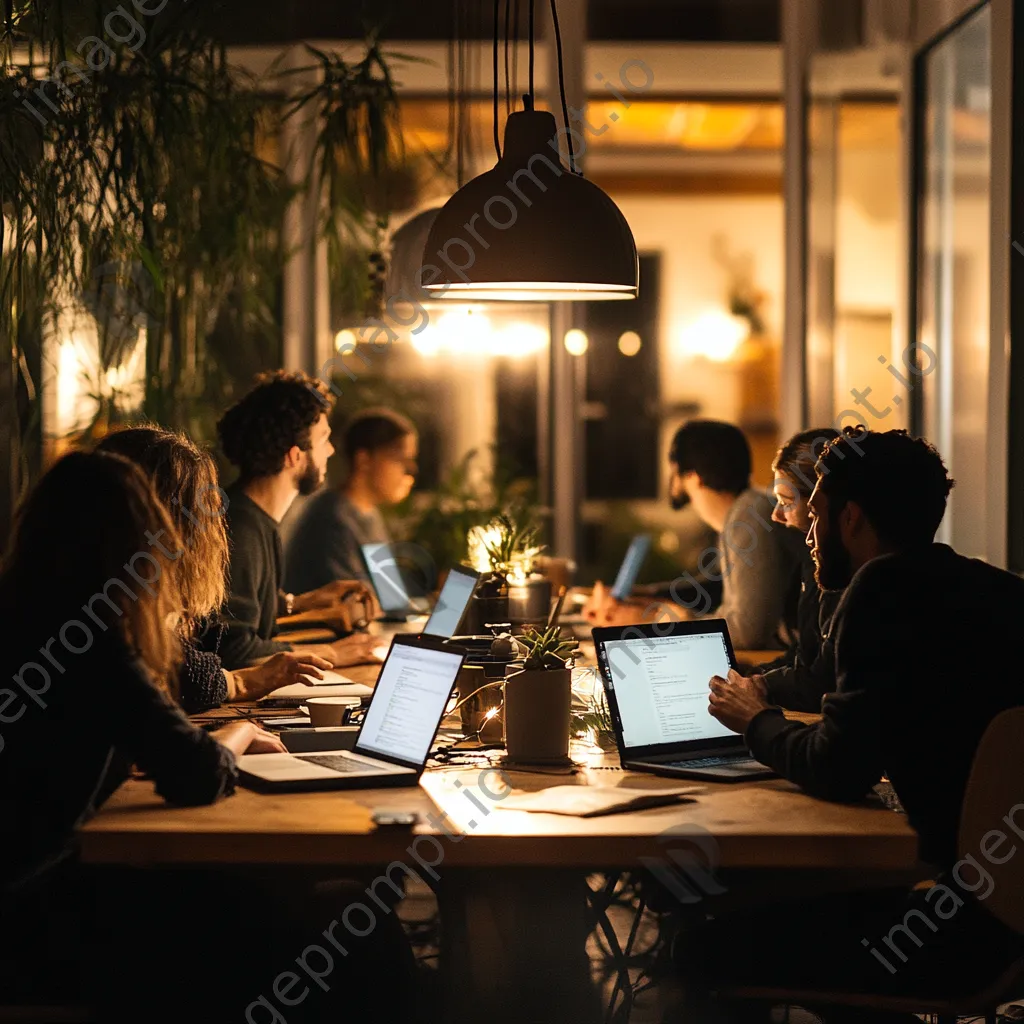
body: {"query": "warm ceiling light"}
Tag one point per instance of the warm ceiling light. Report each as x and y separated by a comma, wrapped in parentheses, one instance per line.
(528, 230)
(629, 343)
(576, 342)
(345, 338)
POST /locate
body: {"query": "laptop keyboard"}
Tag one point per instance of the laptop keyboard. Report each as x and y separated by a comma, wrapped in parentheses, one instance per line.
(709, 762)
(337, 763)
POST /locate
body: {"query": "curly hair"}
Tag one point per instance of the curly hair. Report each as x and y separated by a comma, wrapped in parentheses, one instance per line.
(185, 479)
(899, 481)
(258, 431)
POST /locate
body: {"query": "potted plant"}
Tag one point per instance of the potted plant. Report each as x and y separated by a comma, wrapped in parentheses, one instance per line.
(505, 548)
(538, 698)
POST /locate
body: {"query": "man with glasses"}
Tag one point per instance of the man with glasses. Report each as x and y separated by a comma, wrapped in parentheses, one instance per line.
(381, 447)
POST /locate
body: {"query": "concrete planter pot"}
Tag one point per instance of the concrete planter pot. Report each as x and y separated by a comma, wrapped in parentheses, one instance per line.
(537, 717)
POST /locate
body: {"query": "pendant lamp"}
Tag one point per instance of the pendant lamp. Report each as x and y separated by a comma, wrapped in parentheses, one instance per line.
(529, 229)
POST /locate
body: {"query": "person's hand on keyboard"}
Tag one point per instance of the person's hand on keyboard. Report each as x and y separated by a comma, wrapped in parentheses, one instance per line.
(248, 738)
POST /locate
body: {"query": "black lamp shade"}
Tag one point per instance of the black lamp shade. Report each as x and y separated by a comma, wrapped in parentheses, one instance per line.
(528, 230)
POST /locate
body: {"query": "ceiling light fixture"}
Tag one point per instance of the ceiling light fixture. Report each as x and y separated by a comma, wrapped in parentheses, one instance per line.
(530, 230)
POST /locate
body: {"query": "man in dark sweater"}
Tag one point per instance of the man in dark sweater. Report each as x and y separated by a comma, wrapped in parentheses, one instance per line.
(279, 439)
(923, 664)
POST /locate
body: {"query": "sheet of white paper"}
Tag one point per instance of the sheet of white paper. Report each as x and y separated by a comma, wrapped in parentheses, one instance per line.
(589, 801)
(331, 678)
(325, 688)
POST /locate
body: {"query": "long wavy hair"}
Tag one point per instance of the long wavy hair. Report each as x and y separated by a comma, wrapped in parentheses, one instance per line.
(185, 478)
(80, 551)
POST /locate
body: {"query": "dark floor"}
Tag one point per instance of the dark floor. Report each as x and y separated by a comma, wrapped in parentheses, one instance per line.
(652, 994)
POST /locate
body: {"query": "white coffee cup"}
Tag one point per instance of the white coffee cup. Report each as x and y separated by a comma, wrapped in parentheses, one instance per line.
(329, 711)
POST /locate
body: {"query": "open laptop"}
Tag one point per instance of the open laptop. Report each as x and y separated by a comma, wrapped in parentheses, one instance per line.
(390, 585)
(656, 679)
(398, 730)
(452, 602)
(625, 580)
(637, 551)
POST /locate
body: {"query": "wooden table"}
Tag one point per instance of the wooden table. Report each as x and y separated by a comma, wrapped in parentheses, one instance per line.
(511, 884)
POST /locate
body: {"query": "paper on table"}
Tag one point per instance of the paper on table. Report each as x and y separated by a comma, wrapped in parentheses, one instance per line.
(333, 684)
(591, 801)
(331, 678)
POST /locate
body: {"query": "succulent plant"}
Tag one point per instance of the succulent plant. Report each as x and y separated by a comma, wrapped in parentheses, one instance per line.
(548, 649)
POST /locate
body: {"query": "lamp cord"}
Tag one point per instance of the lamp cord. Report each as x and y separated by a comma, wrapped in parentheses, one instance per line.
(561, 86)
(497, 13)
(532, 49)
(508, 84)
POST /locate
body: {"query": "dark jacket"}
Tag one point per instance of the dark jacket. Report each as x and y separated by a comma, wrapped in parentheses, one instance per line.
(924, 661)
(254, 584)
(806, 672)
(66, 750)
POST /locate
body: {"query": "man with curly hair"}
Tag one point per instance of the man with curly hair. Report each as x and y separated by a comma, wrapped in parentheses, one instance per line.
(922, 668)
(279, 438)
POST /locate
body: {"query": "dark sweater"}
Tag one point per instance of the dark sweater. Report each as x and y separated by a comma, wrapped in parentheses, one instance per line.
(798, 680)
(61, 761)
(254, 582)
(923, 663)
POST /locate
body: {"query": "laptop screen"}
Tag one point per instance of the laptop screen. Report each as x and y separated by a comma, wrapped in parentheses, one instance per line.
(451, 604)
(661, 686)
(408, 701)
(631, 565)
(386, 576)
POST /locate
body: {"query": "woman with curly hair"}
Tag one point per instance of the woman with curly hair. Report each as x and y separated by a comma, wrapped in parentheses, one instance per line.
(185, 479)
(279, 438)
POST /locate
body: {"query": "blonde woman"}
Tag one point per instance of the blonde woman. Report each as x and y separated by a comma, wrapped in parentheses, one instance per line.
(185, 479)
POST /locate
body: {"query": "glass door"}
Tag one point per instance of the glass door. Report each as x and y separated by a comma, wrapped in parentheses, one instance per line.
(949, 368)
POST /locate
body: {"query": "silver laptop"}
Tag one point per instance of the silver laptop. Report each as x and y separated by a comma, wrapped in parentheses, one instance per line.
(452, 602)
(384, 565)
(398, 730)
(656, 680)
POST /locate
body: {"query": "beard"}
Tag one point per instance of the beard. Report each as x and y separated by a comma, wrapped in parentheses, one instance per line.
(833, 568)
(310, 480)
(679, 502)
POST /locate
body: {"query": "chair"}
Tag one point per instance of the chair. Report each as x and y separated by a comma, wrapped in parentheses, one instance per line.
(995, 785)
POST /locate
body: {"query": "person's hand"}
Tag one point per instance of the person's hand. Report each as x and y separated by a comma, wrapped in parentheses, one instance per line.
(338, 592)
(264, 742)
(355, 650)
(736, 700)
(279, 670)
(605, 610)
(248, 738)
